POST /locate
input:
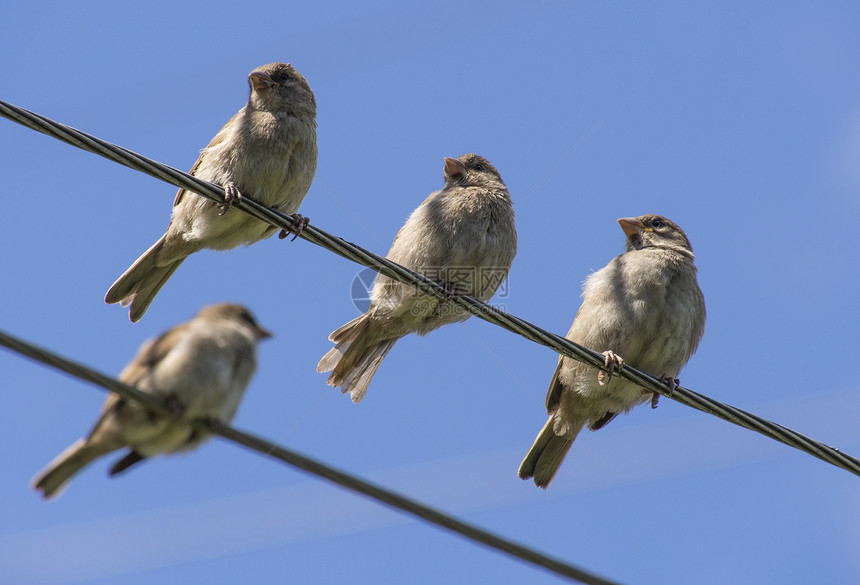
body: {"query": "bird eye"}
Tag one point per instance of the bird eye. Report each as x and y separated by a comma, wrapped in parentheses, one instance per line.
(283, 77)
(479, 167)
(657, 223)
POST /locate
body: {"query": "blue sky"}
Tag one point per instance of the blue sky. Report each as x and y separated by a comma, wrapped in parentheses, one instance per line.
(739, 121)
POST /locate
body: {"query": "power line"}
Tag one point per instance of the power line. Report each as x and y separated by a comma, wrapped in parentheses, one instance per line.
(482, 310)
(309, 465)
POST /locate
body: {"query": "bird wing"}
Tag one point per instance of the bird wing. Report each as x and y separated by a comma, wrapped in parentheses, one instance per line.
(555, 386)
(553, 395)
(219, 138)
(150, 353)
(148, 356)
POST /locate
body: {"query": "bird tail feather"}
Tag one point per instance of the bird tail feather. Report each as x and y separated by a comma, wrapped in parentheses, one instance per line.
(52, 480)
(546, 455)
(131, 458)
(354, 359)
(137, 287)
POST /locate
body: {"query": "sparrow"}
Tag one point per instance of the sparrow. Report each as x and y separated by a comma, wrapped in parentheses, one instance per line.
(644, 309)
(200, 369)
(268, 151)
(462, 236)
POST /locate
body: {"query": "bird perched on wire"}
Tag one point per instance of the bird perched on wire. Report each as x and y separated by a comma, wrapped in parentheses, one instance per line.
(645, 309)
(462, 236)
(267, 151)
(200, 369)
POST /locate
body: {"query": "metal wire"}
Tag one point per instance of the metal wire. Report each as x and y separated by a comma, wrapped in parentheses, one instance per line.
(479, 309)
(269, 449)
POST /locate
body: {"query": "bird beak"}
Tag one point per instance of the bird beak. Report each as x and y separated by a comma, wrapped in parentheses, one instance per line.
(259, 80)
(263, 333)
(453, 167)
(632, 226)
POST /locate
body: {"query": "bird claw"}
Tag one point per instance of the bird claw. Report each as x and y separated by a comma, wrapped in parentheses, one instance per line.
(672, 383)
(231, 194)
(174, 405)
(209, 421)
(451, 290)
(302, 224)
(612, 363)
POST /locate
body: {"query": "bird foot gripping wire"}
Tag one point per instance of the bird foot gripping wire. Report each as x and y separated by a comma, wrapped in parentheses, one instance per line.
(173, 404)
(612, 363)
(231, 194)
(451, 290)
(302, 222)
(672, 382)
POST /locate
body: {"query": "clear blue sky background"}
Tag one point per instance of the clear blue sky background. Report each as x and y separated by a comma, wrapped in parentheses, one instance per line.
(740, 121)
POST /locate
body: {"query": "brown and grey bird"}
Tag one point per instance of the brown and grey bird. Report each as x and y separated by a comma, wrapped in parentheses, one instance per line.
(200, 368)
(644, 309)
(267, 151)
(463, 236)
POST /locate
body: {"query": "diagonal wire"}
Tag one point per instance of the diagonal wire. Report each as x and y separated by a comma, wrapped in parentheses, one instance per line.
(475, 307)
(297, 423)
(309, 465)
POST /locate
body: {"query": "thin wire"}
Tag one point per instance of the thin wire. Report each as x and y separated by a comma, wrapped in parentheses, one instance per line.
(561, 160)
(482, 310)
(269, 449)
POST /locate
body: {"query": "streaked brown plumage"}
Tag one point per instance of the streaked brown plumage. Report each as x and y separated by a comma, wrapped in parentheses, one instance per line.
(267, 151)
(645, 307)
(462, 235)
(201, 368)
